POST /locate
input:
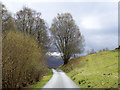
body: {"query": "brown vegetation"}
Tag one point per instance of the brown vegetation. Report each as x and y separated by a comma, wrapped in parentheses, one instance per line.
(24, 41)
(23, 62)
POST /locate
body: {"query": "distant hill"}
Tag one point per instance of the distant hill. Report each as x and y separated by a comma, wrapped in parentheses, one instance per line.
(54, 61)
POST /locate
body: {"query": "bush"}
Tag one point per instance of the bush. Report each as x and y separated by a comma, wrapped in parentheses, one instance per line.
(23, 62)
(100, 50)
(91, 51)
(106, 49)
(117, 48)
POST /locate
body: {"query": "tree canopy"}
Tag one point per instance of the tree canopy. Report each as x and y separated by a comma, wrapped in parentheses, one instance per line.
(67, 36)
(30, 22)
(7, 20)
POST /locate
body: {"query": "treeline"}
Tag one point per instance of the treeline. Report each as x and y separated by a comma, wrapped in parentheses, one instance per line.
(25, 40)
(92, 51)
(29, 22)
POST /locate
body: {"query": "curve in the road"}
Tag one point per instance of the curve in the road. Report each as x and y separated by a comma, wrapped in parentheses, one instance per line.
(60, 80)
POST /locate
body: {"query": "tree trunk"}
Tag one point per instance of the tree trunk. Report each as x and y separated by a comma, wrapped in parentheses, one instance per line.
(65, 61)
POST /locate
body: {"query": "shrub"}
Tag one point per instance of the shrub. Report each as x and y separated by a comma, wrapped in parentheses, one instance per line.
(23, 62)
(117, 48)
(100, 50)
(91, 51)
(106, 49)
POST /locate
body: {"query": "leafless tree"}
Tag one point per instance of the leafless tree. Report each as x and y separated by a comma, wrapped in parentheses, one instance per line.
(7, 20)
(30, 22)
(67, 36)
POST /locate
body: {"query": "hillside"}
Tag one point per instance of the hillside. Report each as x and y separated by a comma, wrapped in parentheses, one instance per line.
(98, 70)
(53, 61)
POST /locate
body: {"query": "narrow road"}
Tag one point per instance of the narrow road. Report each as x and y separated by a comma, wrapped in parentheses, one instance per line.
(60, 80)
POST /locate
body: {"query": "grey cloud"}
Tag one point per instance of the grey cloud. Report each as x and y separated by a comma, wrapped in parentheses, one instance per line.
(107, 13)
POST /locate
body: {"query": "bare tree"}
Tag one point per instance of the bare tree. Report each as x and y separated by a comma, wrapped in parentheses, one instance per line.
(30, 22)
(41, 34)
(67, 36)
(25, 19)
(7, 20)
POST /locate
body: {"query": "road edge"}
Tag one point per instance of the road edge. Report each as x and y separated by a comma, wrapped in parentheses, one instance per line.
(72, 80)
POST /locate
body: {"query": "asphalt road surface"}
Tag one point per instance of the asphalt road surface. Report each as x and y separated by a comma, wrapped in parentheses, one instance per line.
(60, 80)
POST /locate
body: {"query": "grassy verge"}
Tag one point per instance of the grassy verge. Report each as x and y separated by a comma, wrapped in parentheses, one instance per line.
(43, 81)
(98, 70)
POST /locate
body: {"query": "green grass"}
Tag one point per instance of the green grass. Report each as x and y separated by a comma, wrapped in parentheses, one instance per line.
(98, 70)
(43, 81)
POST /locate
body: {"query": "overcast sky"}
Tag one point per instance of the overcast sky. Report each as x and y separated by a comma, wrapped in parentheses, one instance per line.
(98, 21)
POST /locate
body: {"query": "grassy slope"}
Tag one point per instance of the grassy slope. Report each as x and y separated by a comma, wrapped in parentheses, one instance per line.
(43, 81)
(98, 70)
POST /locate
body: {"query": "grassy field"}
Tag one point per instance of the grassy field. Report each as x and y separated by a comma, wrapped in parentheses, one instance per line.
(98, 70)
(43, 81)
